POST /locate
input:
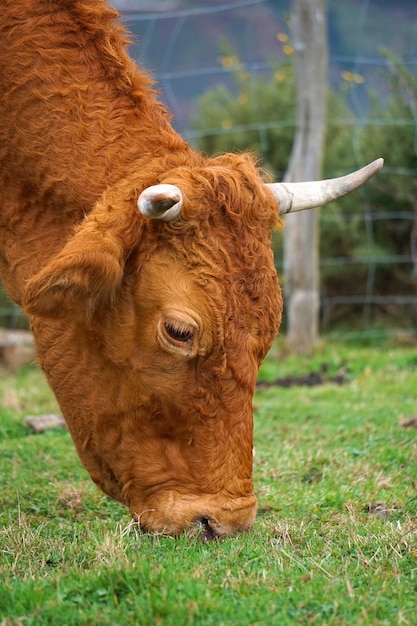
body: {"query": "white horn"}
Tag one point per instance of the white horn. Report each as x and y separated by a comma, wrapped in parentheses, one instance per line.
(292, 197)
(161, 202)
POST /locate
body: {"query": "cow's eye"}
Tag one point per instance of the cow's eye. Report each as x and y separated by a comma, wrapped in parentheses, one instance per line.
(179, 331)
(179, 334)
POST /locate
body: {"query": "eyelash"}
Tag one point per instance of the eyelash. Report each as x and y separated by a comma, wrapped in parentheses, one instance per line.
(177, 332)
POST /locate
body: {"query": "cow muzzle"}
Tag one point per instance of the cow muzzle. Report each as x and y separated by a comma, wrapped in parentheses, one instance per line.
(172, 515)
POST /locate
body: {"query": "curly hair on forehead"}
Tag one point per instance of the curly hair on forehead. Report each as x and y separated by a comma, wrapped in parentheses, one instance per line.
(232, 184)
(232, 262)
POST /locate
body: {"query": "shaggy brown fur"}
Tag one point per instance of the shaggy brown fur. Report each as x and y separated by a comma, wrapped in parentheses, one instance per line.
(81, 135)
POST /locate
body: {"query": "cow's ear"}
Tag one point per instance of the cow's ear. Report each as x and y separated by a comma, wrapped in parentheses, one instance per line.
(85, 274)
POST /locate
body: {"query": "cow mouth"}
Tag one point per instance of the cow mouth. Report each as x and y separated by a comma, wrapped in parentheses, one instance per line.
(211, 529)
(208, 532)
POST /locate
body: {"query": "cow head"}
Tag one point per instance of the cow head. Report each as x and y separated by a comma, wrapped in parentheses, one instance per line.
(151, 325)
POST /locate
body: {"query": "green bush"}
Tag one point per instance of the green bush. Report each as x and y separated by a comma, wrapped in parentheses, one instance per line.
(362, 235)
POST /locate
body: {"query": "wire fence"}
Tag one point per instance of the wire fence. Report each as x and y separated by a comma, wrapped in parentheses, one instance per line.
(182, 46)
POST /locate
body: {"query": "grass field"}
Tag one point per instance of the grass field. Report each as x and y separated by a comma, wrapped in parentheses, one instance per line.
(335, 540)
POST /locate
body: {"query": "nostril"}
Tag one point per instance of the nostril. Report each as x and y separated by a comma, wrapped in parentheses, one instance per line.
(208, 532)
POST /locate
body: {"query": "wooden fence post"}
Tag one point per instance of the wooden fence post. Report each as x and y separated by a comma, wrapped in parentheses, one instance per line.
(301, 267)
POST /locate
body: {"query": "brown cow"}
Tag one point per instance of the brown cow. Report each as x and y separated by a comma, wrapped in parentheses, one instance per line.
(150, 324)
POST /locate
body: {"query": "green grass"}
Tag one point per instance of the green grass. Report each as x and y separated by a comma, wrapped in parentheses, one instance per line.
(335, 541)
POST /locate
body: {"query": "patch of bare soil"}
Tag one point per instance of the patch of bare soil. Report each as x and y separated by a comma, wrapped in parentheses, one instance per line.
(409, 423)
(311, 379)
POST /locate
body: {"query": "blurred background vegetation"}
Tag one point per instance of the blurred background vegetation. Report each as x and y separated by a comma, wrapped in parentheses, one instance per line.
(391, 201)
